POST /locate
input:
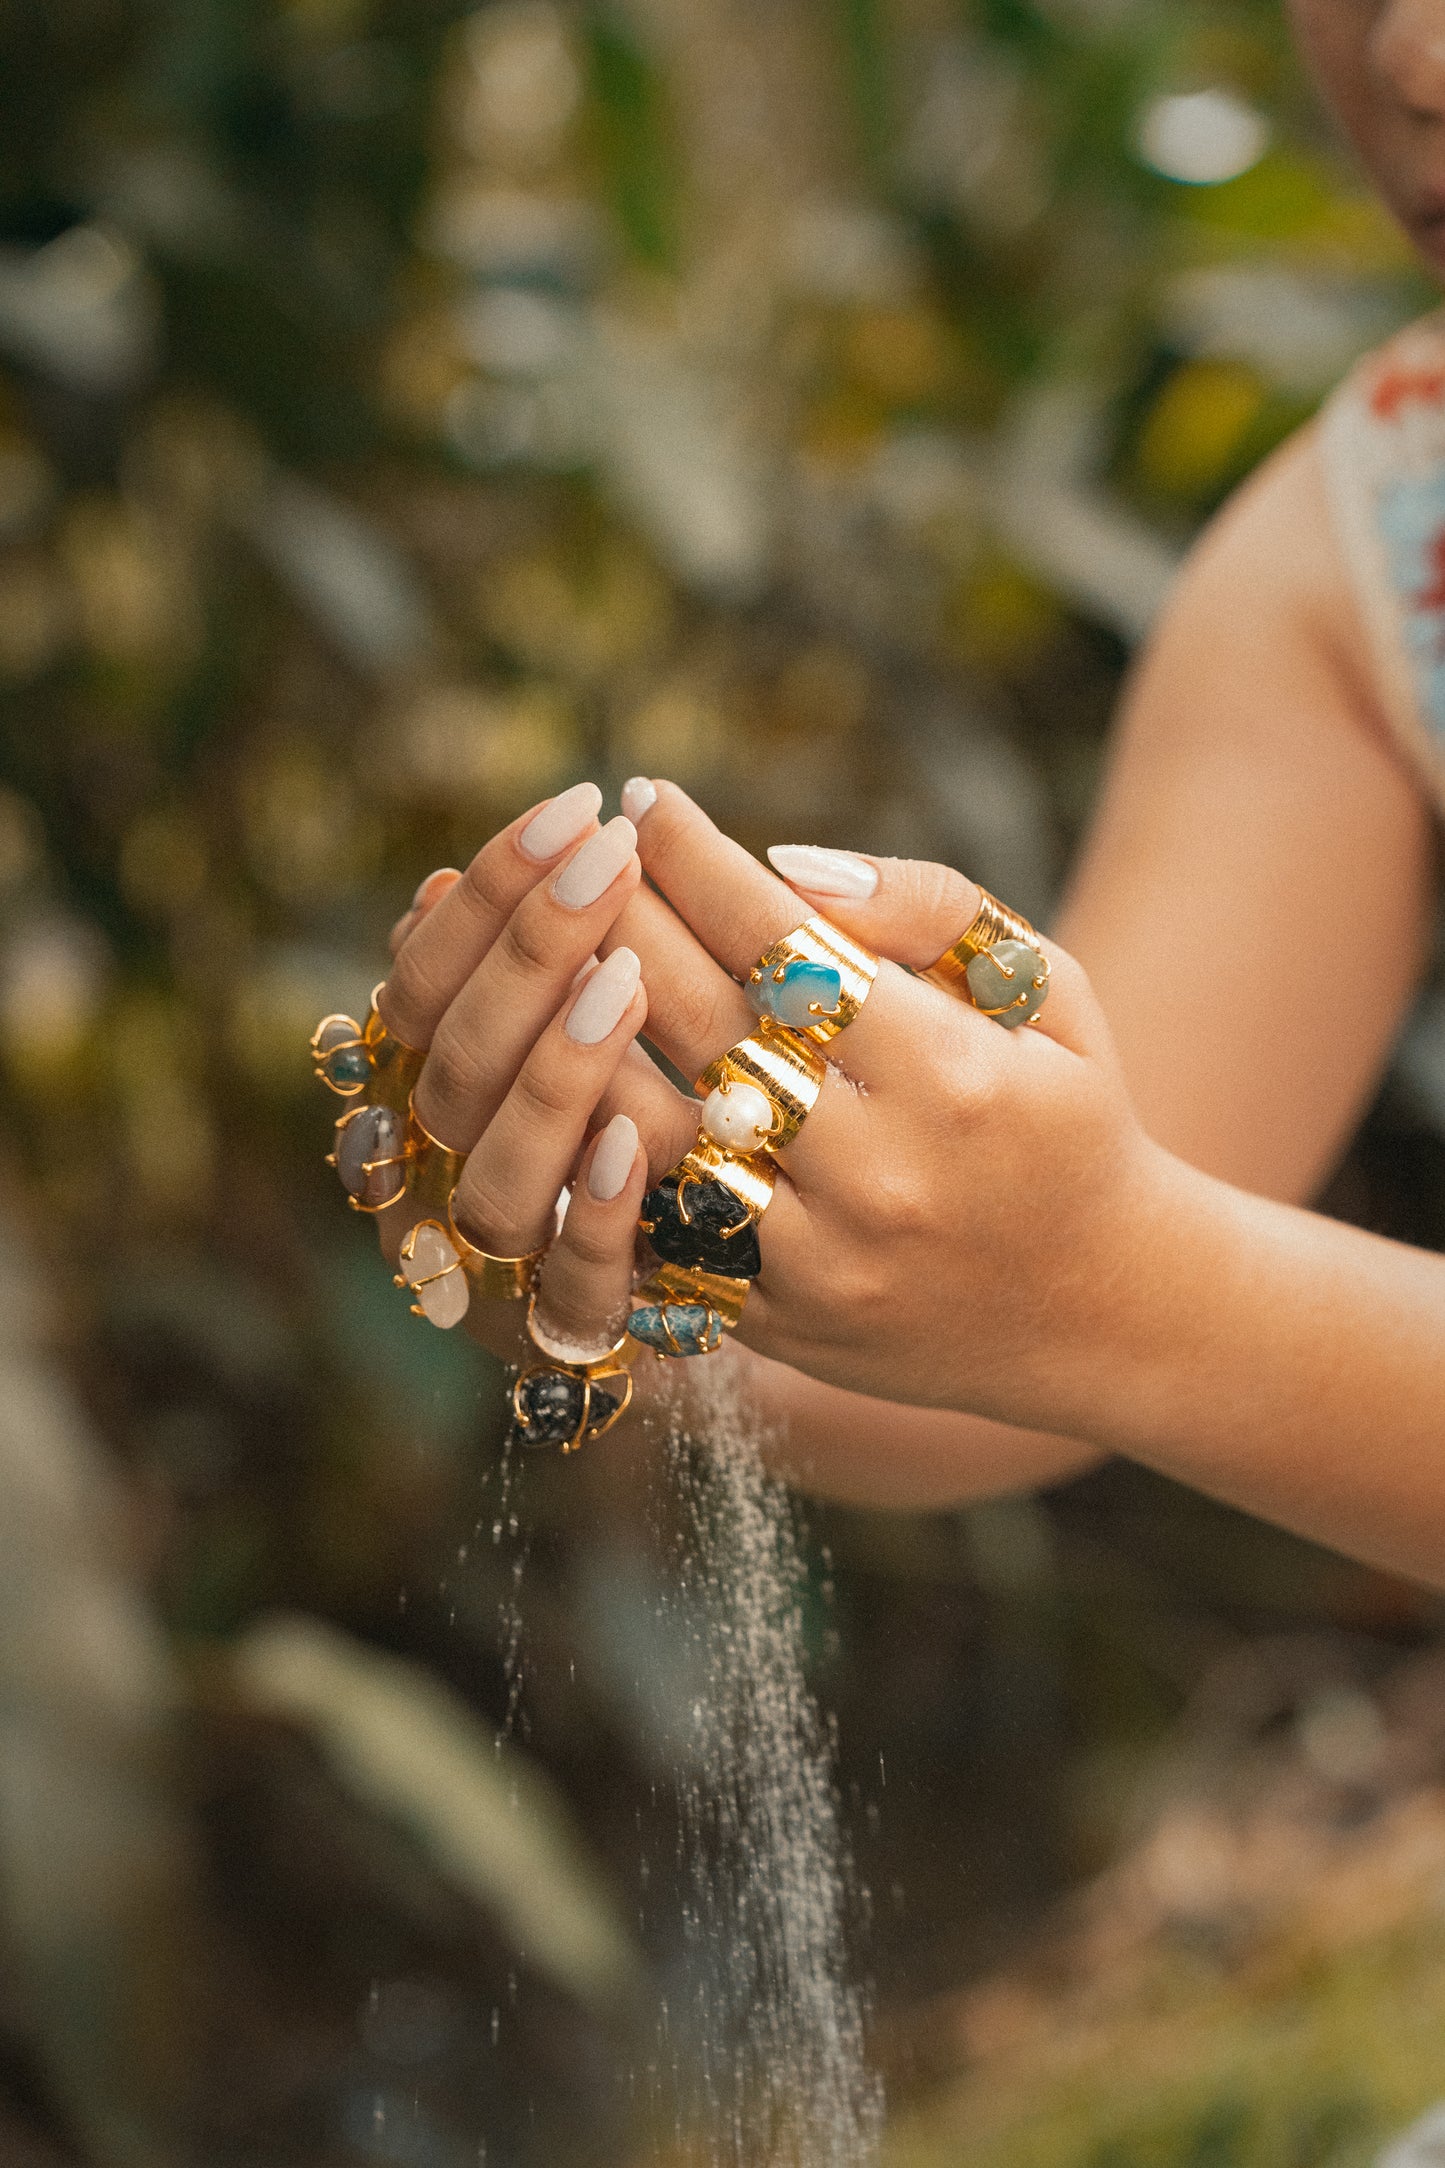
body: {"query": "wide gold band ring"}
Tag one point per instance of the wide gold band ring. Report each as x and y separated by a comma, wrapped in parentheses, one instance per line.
(500, 1279)
(436, 1167)
(569, 1404)
(682, 1310)
(814, 981)
(757, 1096)
(996, 964)
(351, 1058)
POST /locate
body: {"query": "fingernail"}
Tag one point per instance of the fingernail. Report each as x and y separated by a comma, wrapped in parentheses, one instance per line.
(429, 893)
(604, 999)
(596, 866)
(824, 873)
(560, 822)
(639, 796)
(613, 1159)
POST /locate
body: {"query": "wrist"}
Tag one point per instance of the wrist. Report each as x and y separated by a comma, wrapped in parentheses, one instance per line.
(1155, 1320)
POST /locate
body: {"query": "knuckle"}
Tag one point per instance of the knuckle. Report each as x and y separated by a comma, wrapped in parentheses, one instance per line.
(485, 886)
(897, 1205)
(485, 1213)
(542, 1093)
(698, 1018)
(454, 1076)
(591, 1247)
(940, 894)
(411, 998)
(525, 946)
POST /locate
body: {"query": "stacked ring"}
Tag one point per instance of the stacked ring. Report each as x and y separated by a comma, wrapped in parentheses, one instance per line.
(500, 1279)
(569, 1404)
(351, 1058)
(997, 965)
(813, 981)
(684, 1311)
(441, 1267)
(438, 1167)
(758, 1095)
(372, 1154)
(701, 1218)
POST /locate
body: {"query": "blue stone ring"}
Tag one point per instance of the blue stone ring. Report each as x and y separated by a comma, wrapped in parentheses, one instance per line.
(814, 981)
(682, 1310)
(996, 965)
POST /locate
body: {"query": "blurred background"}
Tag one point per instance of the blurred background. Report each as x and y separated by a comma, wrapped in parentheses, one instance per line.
(406, 409)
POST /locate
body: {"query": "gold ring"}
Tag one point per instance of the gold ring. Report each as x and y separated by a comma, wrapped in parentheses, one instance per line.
(704, 1211)
(757, 1096)
(502, 1279)
(814, 981)
(567, 1404)
(341, 1055)
(395, 1066)
(438, 1167)
(996, 964)
(369, 1140)
(432, 1271)
(684, 1311)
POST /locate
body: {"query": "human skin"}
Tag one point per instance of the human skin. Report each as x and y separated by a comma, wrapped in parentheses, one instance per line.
(1255, 819)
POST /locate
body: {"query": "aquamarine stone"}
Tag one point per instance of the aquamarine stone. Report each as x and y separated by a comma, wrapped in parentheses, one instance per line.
(694, 1328)
(804, 993)
(1011, 999)
(348, 1065)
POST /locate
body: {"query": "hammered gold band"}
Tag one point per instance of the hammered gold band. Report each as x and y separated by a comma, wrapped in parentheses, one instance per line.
(785, 1068)
(998, 965)
(813, 982)
(751, 1181)
(991, 922)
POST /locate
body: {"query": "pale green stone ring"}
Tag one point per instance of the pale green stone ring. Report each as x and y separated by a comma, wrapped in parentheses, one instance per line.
(997, 965)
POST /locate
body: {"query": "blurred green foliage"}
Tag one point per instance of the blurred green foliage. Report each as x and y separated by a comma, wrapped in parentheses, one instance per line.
(407, 408)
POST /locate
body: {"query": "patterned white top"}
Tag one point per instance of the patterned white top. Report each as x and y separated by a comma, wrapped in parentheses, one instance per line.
(1382, 434)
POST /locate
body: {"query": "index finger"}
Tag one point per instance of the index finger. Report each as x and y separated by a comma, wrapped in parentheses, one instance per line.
(738, 909)
(445, 946)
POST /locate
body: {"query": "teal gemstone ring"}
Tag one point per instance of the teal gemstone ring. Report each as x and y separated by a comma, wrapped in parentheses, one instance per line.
(813, 982)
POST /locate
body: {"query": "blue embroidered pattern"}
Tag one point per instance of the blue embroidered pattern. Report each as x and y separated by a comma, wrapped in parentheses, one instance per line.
(1412, 526)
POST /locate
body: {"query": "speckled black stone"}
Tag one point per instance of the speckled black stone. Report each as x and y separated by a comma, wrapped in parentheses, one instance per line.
(553, 1403)
(699, 1240)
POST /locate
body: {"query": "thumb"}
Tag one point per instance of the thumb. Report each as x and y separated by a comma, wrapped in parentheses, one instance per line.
(911, 910)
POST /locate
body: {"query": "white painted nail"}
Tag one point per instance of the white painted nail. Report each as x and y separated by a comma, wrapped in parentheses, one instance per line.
(612, 1160)
(604, 999)
(560, 822)
(423, 894)
(596, 866)
(824, 873)
(639, 796)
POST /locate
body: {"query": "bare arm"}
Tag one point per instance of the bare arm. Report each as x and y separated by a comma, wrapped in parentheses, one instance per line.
(1252, 905)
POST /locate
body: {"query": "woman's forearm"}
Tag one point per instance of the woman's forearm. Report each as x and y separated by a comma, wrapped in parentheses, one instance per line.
(1284, 1363)
(860, 1451)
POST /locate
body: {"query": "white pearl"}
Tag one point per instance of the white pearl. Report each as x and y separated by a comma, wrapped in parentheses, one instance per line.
(739, 1118)
(446, 1300)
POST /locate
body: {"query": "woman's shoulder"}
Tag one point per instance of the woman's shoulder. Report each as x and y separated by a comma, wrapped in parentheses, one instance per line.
(1338, 541)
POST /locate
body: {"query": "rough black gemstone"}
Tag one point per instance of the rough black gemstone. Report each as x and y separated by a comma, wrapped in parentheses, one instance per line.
(553, 1404)
(699, 1240)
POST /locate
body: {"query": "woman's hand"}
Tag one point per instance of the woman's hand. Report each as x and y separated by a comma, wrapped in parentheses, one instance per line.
(952, 1223)
(965, 1206)
(495, 974)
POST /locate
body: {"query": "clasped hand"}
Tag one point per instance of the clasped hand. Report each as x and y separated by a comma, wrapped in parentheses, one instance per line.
(954, 1222)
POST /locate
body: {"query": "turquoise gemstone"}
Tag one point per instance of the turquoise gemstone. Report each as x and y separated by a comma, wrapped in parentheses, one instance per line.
(348, 1065)
(1010, 981)
(800, 996)
(694, 1328)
